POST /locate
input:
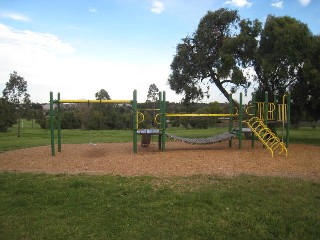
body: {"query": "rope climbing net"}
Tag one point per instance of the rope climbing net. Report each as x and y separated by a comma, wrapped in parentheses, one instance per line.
(209, 140)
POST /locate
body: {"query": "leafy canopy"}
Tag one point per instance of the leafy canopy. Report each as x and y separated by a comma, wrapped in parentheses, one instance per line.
(16, 89)
(284, 48)
(215, 54)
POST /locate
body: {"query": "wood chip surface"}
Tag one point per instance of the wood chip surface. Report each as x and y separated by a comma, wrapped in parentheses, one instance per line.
(179, 159)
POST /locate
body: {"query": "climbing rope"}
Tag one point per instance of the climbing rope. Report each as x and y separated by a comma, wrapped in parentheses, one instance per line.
(202, 141)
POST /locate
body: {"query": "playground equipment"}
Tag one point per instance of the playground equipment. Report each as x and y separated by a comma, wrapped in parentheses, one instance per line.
(58, 102)
(257, 116)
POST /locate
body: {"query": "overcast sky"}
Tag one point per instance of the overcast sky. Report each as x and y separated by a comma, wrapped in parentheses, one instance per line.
(78, 47)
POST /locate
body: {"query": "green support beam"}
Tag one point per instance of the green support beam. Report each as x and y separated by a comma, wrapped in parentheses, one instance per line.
(254, 110)
(240, 120)
(59, 124)
(288, 119)
(230, 118)
(134, 122)
(52, 124)
(265, 112)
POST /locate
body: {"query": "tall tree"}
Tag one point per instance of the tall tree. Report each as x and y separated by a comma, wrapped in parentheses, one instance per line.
(7, 114)
(16, 92)
(215, 54)
(16, 89)
(102, 94)
(306, 90)
(153, 93)
(283, 50)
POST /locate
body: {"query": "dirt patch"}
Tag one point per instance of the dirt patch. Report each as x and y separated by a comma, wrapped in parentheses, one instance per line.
(179, 159)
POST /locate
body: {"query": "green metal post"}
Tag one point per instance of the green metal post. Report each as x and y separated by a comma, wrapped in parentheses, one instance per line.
(254, 110)
(52, 124)
(230, 118)
(275, 102)
(160, 119)
(134, 122)
(163, 120)
(288, 119)
(240, 121)
(265, 117)
(59, 124)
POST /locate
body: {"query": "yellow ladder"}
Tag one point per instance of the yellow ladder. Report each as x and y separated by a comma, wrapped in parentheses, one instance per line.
(266, 136)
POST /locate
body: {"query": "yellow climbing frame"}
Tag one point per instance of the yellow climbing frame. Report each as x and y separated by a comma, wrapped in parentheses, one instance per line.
(266, 136)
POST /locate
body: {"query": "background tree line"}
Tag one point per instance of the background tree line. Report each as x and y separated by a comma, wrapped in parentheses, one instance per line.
(226, 51)
(232, 53)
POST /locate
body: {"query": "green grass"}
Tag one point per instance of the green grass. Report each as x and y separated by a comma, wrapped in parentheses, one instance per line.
(39, 206)
(35, 136)
(305, 135)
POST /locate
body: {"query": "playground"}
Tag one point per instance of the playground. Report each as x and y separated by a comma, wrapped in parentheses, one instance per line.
(171, 155)
(180, 159)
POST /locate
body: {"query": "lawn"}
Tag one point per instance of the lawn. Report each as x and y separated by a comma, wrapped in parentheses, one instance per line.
(39, 206)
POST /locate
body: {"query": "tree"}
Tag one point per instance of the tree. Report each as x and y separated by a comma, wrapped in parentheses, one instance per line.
(7, 114)
(16, 89)
(306, 90)
(153, 93)
(215, 54)
(283, 50)
(16, 93)
(102, 95)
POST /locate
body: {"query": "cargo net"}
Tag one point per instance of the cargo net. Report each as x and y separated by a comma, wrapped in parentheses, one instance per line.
(209, 140)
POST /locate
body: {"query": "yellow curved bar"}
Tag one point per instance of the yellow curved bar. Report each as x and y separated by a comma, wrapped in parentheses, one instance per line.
(95, 101)
(155, 118)
(142, 117)
(284, 99)
(247, 108)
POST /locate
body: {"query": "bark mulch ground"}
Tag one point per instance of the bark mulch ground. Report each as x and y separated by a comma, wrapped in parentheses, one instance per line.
(180, 159)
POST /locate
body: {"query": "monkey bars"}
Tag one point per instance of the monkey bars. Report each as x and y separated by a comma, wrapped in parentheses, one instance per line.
(59, 101)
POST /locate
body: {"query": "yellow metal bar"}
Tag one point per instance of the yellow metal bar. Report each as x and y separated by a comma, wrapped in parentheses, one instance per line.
(271, 109)
(95, 101)
(201, 115)
(260, 109)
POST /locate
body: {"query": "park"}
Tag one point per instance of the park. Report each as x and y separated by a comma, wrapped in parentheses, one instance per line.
(105, 168)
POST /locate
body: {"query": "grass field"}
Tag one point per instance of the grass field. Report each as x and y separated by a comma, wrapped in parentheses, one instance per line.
(35, 136)
(40, 206)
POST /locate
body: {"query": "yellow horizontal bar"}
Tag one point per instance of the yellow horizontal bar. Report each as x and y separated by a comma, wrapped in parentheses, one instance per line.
(201, 115)
(95, 101)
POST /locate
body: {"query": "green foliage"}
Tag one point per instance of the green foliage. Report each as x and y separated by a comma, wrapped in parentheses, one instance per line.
(102, 95)
(153, 93)
(284, 47)
(69, 120)
(15, 92)
(16, 89)
(38, 206)
(214, 55)
(7, 114)
(306, 91)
